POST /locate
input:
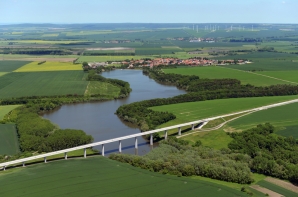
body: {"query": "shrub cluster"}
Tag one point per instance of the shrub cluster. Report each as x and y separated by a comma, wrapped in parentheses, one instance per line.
(178, 158)
(272, 154)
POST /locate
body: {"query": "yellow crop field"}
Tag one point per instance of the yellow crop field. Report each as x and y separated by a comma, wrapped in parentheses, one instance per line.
(2, 73)
(49, 66)
(50, 35)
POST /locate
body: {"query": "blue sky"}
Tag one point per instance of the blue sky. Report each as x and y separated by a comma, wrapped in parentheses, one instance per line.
(148, 11)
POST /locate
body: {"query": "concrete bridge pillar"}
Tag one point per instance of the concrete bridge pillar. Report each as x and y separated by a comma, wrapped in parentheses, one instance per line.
(120, 149)
(85, 152)
(103, 150)
(166, 134)
(193, 127)
(23, 164)
(136, 143)
(151, 139)
(4, 168)
(65, 155)
(179, 131)
(45, 159)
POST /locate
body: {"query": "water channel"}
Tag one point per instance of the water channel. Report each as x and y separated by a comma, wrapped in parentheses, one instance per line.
(98, 118)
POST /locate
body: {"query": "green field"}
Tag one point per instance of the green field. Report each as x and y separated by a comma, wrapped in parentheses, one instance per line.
(222, 72)
(285, 118)
(20, 84)
(5, 109)
(284, 75)
(265, 61)
(187, 112)
(102, 88)
(215, 139)
(9, 66)
(100, 176)
(8, 140)
(49, 66)
(277, 189)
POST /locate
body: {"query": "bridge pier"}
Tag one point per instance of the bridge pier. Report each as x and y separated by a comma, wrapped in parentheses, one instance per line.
(136, 143)
(45, 159)
(85, 152)
(151, 139)
(4, 168)
(166, 134)
(193, 127)
(103, 150)
(120, 149)
(179, 131)
(23, 164)
(65, 155)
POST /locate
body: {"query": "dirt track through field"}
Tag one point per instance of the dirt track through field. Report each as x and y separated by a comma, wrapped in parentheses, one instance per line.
(284, 184)
(266, 191)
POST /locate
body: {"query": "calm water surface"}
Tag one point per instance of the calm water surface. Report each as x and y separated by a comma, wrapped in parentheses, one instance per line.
(98, 118)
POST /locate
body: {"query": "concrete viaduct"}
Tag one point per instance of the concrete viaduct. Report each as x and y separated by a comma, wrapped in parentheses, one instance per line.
(120, 139)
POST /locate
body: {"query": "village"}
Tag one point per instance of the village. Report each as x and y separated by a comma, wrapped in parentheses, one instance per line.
(196, 61)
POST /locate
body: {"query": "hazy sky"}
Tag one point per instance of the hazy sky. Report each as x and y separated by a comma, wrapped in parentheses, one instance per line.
(148, 11)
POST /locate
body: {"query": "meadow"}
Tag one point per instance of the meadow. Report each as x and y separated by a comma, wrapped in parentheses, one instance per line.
(8, 140)
(216, 72)
(283, 118)
(6, 109)
(19, 84)
(99, 176)
(49, 66)
(9, 66)
(102, 88)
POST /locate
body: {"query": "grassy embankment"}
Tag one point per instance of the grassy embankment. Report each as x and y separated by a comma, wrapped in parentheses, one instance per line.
(107, 177)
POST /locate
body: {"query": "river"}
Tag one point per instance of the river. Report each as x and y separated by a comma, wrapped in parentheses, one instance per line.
(98, 118)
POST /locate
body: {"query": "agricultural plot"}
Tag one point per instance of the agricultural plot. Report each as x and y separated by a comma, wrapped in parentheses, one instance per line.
(187, 112)
(107, 58)
(5, 109)
(277, 189)
(284, 75)
(102, 88)
(285, 118)
(9, 66)
(19, 84)
(213, 72)
(8, 140)
(100, 176)
(49, 66)
(265, 61)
